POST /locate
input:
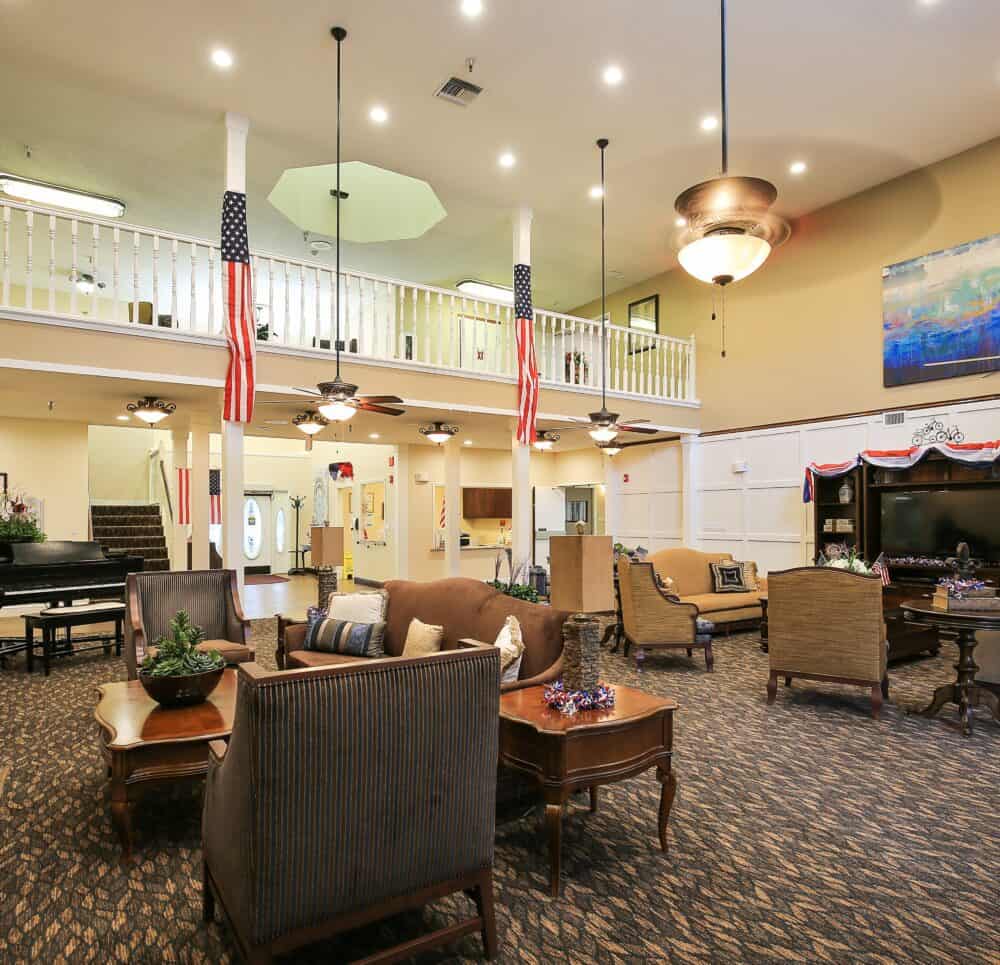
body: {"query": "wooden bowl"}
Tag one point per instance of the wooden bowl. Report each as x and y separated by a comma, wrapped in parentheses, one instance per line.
(181, 691)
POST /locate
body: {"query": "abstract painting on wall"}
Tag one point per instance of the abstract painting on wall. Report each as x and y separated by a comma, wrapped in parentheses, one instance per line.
(941, 314)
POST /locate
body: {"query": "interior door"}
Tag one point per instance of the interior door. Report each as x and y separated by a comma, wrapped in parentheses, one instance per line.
(350, 534)
(257, 532)
(282, 527)
(550, 520)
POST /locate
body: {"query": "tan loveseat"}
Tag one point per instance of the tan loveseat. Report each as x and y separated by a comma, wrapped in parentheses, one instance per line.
(467, 609)
(692, 576)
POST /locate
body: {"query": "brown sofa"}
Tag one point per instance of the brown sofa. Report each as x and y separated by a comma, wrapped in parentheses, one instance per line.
(467, 609)
(689, 569)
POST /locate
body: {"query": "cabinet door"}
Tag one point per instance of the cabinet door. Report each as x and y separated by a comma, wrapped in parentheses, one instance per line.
(502, 503)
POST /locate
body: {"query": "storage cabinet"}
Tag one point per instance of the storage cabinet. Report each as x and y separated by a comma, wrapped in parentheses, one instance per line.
(486, 503)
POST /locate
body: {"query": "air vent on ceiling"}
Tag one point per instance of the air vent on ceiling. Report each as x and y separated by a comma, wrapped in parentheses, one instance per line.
(893, 418)
(458, 91)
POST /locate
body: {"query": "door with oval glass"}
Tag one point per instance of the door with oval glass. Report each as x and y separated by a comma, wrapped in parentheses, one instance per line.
(258, 529)
(283, 524)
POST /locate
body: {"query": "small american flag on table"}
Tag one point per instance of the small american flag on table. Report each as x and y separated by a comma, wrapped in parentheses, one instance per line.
(215, 497)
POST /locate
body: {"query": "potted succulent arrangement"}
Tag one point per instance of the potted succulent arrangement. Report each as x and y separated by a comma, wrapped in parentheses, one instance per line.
(177, 674)
(18, 521)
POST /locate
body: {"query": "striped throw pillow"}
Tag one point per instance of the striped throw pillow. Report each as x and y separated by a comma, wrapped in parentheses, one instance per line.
(344, 637)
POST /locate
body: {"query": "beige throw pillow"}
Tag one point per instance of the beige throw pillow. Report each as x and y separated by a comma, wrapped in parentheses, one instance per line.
(422, 639)
(511, 646)
(358, 607)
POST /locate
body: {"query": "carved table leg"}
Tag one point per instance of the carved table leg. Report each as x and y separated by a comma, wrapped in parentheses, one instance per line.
(668, 788)
(593, 798)
(121, 807)
(966, 686)
(553, 821)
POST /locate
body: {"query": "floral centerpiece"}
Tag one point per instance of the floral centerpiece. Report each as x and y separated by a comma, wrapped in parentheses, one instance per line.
(177, 673)
(847, 558)
(18, 521)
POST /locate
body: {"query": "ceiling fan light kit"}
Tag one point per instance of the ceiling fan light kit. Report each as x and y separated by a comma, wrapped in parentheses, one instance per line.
(438, 432)
(151, 410)
(310, 423)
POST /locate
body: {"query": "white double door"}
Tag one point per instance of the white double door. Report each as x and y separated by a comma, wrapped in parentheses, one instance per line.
(267, 531)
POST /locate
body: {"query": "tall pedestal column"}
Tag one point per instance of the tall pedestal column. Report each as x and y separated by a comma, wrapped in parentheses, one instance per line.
(232, 498)
(199, 497)
(521, 533)
(177, 533)
(452, 508)
(690, 456)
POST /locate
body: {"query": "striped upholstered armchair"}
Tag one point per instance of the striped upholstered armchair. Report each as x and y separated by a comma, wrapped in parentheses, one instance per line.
(352, 792)
(210, 597)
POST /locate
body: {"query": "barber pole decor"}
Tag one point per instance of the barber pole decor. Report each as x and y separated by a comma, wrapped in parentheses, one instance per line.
(527, 364)
(183, 496)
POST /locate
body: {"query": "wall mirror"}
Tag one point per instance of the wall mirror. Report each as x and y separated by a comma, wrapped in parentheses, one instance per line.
(644, 314)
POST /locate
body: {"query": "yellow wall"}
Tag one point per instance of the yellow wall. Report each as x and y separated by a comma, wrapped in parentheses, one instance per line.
(805, 331)
(118, 459)
(48, 460)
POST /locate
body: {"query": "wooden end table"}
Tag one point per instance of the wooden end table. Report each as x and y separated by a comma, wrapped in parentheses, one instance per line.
(568, 753)
(145, 744)
(964, 691)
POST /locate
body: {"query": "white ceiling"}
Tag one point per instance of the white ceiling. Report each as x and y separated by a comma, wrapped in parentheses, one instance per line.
(120, 98)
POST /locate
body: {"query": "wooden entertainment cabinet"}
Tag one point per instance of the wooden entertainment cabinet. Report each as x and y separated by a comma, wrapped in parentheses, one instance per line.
(909, 581)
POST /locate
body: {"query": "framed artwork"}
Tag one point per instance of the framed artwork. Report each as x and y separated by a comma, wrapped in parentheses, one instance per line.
(644, 318)
(941, 314)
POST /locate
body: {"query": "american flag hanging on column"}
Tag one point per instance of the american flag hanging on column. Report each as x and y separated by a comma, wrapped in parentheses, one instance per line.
(527, 365)
(215, 497)
(183, 496)
(237, 296)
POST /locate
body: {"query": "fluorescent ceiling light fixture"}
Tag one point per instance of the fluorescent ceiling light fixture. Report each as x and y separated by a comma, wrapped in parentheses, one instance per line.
(222, 58)
(472, 8)
(613, 75)
(507, 160)
(797, 167)
(709, 123)
(486, 291)
(597, 192)
(40, 192)
(468, 442)
(378, 114)
(151, 410)
(603, 433)
(337, 411)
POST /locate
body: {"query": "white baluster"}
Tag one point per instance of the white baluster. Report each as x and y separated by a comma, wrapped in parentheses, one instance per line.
(453, 347)
(52, 263)
(6, 255)
(211, 326)
(174, 321)
(193, 303)
(95, 238)
(156, 279)
(29, 219)
(302, 306)
(427, 327)
(74, 264)
(440, 329)
(293, 336)
(692, 352)
(270, 300)
(116, 269)
(322, 331)
(135, 277)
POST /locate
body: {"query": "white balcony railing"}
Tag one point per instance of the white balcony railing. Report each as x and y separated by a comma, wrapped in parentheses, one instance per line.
(147, 277)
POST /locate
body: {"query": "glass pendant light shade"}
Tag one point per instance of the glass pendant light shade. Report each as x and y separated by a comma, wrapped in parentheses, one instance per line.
(337, 411)
(309, 423)
(603, 434)
(724, 257)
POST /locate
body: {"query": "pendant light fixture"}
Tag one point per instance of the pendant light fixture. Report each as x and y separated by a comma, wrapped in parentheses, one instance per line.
(151, 410)
(310, 423)
(729, 230)
(439, 432)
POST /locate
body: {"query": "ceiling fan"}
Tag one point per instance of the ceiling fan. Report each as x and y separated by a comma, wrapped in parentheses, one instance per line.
(339, 398)
(605, 425)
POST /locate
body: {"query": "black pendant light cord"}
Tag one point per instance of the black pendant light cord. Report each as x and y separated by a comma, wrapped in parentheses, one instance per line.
(725, 92)
(339, 34)
(602, 144)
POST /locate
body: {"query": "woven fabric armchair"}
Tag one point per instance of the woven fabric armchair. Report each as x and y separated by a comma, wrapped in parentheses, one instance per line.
(827, 624)
(210, 597)
(350, 793)
(653, 620)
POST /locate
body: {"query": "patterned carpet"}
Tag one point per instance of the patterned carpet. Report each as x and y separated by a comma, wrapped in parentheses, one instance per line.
(804, 832)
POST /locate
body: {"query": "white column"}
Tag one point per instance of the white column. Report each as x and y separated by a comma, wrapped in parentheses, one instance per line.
(178, 531)
(237, 127)
(521, 534)
(690, 457)
(452, 508)
(232, 498)
(199, 497)
(612, 498)
(400, 495)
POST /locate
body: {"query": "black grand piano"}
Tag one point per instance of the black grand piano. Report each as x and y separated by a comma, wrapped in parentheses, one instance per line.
(59, 572)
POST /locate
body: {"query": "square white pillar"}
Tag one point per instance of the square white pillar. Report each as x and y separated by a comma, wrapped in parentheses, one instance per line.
(452, 508)
(691, 467)
(199, 497)
(521, 532)
(232, 499)
(177, 533)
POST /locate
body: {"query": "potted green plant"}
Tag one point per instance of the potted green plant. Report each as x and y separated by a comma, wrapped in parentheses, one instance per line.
(176, 673)
(18, 521)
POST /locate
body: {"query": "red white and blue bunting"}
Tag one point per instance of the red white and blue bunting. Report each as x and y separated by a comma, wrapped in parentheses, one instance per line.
(976, 453)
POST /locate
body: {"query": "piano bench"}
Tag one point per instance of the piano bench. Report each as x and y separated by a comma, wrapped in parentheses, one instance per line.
(65, 618)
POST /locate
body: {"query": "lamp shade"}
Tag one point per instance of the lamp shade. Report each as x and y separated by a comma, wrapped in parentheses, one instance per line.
(337, 410)
(724, 257)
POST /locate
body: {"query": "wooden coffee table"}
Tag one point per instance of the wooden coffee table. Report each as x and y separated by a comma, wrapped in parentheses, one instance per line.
(145, 744)
(568, 753)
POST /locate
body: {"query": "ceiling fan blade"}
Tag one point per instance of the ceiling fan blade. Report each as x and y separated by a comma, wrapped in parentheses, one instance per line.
(378, 399)
(307, 391)
(291, 402)
(380, 409)
(631, 422)
(643, 429)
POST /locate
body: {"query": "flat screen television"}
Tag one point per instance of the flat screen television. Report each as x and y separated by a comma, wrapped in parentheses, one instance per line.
(932, 523)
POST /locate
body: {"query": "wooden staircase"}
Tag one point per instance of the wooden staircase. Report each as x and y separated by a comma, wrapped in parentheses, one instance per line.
(134, 530)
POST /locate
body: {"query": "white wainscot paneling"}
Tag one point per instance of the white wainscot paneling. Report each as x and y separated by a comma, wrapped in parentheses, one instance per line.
(732, 546)
(658, 543)
(721, 512)
(979, 423)
(717, 458)
(638, 464)
(773, 456)
(836, 443)
(635, 512)
(667, 466)
(774, 511)
(775, 556)
(666, 514)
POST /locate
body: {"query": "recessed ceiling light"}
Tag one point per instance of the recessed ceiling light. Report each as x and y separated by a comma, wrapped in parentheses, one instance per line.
(613, 75)
(597, 192)
(797, 167)
(378, 114)
(680, 222)
(122, 418)
(222, 58)
(507, 160)
(374, 435)
(709, 123)
(472, 8)
(468, 442)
